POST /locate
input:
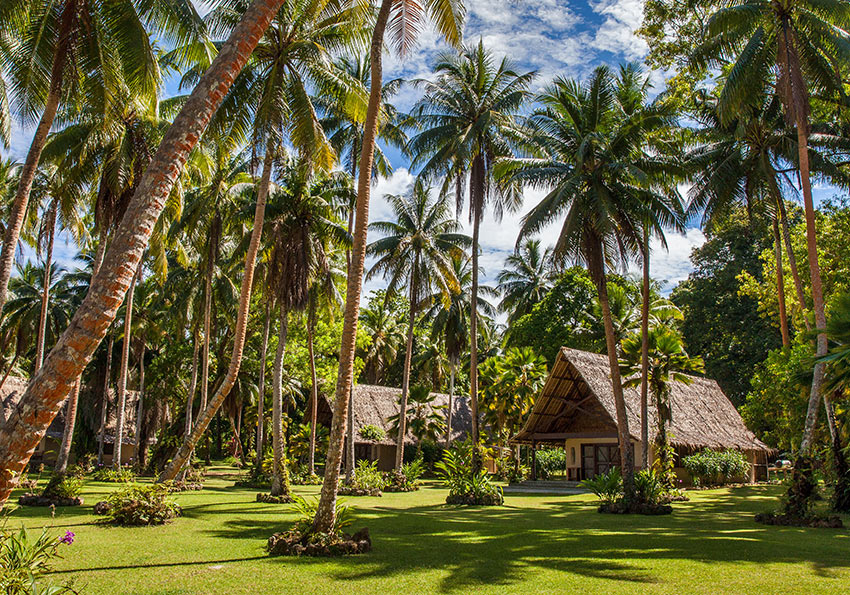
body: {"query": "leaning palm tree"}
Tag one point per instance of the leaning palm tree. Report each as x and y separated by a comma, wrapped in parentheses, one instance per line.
(38, 405)
(787, 47)
(402, 19)
(595, 170)
(59, 59)
(469, 116)
(415, 256)
(526, 278)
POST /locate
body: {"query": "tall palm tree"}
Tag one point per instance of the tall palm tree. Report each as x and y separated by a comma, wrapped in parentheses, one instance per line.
(59, 58)
(450, 322)
(595, 170)
(526, 278)
(668, 363)
(38, 405)
(788, 46)
(305, 226)
(469, 116)
(415, 256)
(402, 19)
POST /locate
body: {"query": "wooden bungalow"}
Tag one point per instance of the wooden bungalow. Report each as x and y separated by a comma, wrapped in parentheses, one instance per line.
(576, 411)
(48, 449)
(375, 405)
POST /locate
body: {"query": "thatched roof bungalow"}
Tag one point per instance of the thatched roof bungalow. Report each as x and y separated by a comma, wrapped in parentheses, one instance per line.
(576, 410)
(375, 405)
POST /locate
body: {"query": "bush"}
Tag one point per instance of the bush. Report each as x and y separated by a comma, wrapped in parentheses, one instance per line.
(508, 470)
(372, 433)
(367, 480)
(466, 486)
(550, 460)
(142, 505)
(300, 540)
(608, 487)
(649, 487)
(716, 467)
(122, 475)
(406, 480)
(24, 560)
(67, 486)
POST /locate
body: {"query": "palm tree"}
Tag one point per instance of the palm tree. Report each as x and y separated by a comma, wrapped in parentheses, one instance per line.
(789, 46)
(416, 252)
(408, 16)
(668, 363)
(526, 278)
(380, 320)
(306, 225)
(59, 58)
(469, 116)
(45, 393)
(596, 173)
(450, 322)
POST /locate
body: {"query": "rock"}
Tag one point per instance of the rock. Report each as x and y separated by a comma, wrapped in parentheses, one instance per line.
(102, 507)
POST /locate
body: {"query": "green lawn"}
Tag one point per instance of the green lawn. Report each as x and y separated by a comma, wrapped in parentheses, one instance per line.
(534, 544)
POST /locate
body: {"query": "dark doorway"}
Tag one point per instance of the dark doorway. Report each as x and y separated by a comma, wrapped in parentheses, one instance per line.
(597, 459)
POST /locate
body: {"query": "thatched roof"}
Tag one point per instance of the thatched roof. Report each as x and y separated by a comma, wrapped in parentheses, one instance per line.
(13, 390)
(374, 405)
(578, 398)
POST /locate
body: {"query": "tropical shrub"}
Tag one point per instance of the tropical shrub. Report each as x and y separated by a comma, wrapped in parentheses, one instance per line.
(508, 470)
(300, 540)
(608, 487)
(406, 480)
(122, 475)
(141, 505)
(716, 467)
(23, 561)
(649, 487)
(67, 486)
(372, 433)
(367, 480)
(550, 460)
(465, 485)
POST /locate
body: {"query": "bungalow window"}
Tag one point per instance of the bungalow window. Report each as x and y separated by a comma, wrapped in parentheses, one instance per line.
(573, 455)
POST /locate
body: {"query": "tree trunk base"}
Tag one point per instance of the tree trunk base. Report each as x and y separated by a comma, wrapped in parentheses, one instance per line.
(272, 499)
(294, 543)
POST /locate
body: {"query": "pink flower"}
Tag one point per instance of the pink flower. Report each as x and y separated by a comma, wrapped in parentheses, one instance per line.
(68, 538)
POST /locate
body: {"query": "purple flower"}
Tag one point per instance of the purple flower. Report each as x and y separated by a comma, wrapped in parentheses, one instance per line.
(68, 538)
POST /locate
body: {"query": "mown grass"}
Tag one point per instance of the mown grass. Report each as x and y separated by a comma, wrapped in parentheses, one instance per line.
(533, 544)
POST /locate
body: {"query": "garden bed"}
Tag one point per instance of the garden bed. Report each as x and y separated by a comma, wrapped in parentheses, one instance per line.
(492, 499)
(355, 491)
(832, 521)
(644, 508)
(30, 499)
(293, 543)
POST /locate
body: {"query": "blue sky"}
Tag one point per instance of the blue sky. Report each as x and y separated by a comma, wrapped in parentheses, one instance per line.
(553, 37)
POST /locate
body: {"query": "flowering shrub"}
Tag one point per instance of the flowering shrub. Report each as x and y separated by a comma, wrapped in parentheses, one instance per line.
(141, 505)
(23, 561)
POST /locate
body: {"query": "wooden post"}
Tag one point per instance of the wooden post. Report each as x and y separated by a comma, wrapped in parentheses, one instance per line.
(533, 461)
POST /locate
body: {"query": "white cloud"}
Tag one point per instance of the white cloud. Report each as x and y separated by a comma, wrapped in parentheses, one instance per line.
(617, 32)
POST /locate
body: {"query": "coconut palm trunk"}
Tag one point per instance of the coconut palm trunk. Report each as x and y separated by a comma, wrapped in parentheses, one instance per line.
(280, 475)
(205, 352)
(261, 396)
(349, 428)
(45, 291)
(140, 410)
(326, 511)
(68, 433)
(22, 195)
(473, 342)
(780, 285)
(27, 425)
(122, 375)
(104, 399)
(206, 415)
(193, 383)
(452, 368)
(314, 394)
(405, 378)
(644, 355)
(596, 266)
